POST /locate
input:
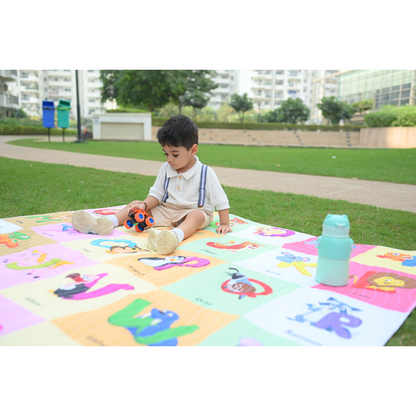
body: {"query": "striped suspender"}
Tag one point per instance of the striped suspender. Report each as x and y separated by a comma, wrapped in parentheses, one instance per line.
(165, 187)
(202, 186)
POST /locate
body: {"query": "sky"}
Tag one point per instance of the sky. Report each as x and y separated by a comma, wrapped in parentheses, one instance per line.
(225, 34)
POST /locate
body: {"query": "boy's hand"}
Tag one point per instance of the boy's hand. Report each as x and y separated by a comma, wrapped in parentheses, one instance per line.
(224, 229)
(136, 205)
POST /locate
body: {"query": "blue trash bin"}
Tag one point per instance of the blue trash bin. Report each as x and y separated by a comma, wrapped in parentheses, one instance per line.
(48, 114)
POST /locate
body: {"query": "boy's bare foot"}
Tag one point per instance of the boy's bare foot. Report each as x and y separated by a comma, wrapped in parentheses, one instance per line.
(162, 241)
(86, 223)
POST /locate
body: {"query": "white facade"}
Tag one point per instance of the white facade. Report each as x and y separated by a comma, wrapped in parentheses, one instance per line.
(322, 86)
(34, 86)
(267, 88)
(227, 81)
(9, 99)
(122, 126)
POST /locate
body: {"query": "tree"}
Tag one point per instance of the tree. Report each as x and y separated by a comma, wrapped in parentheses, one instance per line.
(274, 116)
(109, 90)
(362, 106)
(196, 99)
(241, 104)
(335, 110)
(193, 82)
(20, 113)
(153, 89)
(292, 111)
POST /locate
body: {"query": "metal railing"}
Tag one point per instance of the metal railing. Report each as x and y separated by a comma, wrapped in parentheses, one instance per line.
(12, 99)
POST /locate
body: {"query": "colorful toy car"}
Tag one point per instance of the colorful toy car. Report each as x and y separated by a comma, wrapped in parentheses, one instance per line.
(139, 219)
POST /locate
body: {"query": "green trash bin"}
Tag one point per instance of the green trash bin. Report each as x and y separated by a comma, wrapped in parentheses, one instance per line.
(63, 113)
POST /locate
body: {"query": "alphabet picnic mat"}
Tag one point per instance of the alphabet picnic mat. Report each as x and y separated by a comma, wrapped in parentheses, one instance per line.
(253, 287)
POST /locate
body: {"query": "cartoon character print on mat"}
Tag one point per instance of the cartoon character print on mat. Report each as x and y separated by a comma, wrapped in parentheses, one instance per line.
(249, 342)
(11, 240)
(333, 316)
(129, 247)
(273, 232)
(49, 218)
(308, 247)
(384, 282)
(404, 259)
(42, 263)
(105, 211)
(164, 263)
(69, 229)
(300, 263)
(241, 285)
(82, 284)
(153, 328)
(232, 247)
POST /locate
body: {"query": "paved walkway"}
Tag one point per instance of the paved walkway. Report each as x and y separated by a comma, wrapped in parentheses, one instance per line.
(379, 194)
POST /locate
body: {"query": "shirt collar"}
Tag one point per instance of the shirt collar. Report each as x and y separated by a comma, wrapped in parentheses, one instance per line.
(188, 174)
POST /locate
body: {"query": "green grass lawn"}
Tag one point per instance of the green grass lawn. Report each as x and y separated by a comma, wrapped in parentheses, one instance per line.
(28, 188)
(388, 165)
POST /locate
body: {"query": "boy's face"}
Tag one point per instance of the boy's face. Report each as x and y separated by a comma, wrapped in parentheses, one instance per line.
(180, 158)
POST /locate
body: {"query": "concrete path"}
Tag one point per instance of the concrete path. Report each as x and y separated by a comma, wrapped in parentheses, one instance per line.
(379, 194)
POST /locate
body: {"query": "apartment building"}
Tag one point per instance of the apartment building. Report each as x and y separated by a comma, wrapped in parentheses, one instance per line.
(324, 84)
(267, 88)
(9, 100)
(227, 81)
(31, 87)
(91, 93)
(384, 87)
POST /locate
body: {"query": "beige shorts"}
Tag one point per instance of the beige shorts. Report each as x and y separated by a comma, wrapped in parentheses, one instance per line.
(166, 216)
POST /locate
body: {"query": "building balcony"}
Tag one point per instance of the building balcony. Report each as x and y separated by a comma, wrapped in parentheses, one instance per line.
(9, 101)
(29, 76)
(9, 75)
(60, 73)
(33, 99)
(30, 88)
(60, 83)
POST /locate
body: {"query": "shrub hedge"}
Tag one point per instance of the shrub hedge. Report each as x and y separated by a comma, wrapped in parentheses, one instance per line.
(158, 122)
(392, 116)
(126, 110)
(15, 130)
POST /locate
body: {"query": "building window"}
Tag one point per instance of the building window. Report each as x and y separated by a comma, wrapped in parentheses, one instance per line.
(405, 93)
(404, 102)
(279, 72)
(91, 101)
(279, 82)
(293, 73)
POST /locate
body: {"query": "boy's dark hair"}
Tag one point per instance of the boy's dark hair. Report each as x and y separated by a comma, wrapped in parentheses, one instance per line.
(178, 131)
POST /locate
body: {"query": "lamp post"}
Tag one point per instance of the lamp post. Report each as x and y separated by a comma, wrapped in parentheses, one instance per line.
(78, 110)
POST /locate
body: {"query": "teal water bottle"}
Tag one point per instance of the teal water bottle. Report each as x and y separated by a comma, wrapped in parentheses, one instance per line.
(334, 251)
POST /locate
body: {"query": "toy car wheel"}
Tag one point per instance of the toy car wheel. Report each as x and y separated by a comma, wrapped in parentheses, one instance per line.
(139, 228)
(139, 217)
(150, 221)
(128, 224)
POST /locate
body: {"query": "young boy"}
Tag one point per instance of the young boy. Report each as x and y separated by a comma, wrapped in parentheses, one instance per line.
(183, 196)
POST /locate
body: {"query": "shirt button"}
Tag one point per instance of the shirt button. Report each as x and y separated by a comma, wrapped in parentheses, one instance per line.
(180, 177)
(179, 187)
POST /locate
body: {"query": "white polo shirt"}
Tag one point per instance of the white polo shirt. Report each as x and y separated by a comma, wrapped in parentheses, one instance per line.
(183, 188)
